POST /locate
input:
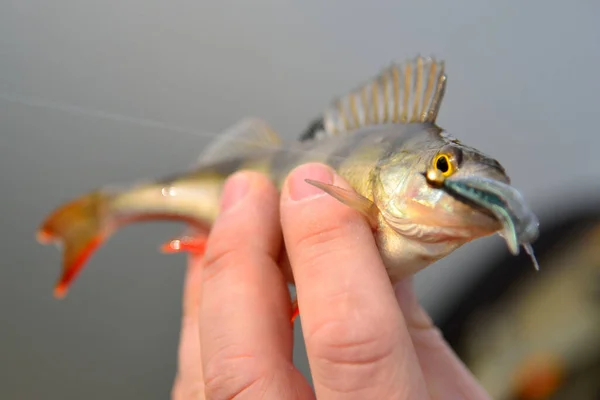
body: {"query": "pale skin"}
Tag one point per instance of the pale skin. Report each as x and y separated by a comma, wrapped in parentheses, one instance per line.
(364, 338)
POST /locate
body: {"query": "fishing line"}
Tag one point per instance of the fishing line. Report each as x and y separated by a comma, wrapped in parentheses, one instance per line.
(106, 115)
(72, 109)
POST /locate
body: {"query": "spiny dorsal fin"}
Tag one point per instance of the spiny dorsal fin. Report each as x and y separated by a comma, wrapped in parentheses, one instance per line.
(406, 92)
(246, 136)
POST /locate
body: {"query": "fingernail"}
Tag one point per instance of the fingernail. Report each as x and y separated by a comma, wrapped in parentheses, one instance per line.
(235, 189)
(300, 189)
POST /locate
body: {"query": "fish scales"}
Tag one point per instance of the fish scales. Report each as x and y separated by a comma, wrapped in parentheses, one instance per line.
(355, 157)
(424, 193)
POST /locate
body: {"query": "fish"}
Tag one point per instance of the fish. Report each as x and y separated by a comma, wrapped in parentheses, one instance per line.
(424, 192)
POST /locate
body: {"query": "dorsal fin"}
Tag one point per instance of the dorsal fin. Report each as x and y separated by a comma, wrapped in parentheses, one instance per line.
(406, 92)
(246, 136)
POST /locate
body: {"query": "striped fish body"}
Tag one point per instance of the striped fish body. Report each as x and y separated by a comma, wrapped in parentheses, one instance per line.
(387, 146)
(383, 164)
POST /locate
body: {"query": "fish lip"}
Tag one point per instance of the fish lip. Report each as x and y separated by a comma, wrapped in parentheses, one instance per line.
(499, 200)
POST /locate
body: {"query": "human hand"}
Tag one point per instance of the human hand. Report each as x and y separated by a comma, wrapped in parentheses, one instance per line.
(364, 339)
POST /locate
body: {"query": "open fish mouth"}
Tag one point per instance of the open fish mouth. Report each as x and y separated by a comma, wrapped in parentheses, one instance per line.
(520, 226)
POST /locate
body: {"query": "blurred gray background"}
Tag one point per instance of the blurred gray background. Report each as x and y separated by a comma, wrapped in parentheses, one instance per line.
(114, 91)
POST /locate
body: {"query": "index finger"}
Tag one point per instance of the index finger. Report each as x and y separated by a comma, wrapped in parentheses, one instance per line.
(245, 335)
(357, 341)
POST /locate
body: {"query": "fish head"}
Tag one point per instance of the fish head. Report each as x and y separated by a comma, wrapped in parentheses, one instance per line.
(442, 191)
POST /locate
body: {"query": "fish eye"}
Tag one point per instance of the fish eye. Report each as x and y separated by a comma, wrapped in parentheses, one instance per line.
(443, 163)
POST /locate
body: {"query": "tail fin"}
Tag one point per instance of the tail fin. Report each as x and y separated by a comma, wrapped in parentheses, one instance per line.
(81, 226)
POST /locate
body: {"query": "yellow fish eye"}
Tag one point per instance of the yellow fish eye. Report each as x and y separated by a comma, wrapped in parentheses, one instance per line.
(443, 163)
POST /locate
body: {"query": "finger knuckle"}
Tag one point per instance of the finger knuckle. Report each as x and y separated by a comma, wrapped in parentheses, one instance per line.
(346, 342)
(232, 374)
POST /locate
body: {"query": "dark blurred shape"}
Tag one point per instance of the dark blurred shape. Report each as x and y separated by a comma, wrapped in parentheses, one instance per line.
(530, 335)
(315, 126)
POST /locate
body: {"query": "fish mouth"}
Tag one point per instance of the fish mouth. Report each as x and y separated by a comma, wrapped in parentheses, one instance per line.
(520, 226)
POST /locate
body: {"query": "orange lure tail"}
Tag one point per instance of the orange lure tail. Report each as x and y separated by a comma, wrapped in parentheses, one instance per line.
(197, 244)
(80, 226)
(190, 244)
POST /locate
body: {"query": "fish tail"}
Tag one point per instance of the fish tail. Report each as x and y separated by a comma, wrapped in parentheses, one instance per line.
(80, 226)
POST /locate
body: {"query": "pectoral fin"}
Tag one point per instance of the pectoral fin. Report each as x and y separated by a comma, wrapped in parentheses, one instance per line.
(351, 199)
